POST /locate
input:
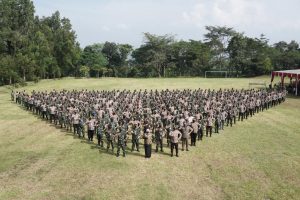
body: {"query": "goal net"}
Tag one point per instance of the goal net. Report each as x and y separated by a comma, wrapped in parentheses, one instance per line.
(216, 74)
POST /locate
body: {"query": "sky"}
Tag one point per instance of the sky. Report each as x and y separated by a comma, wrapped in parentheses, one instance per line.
(125, 21)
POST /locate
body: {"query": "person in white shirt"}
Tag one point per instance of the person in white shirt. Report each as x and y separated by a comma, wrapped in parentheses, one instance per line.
(91, 128)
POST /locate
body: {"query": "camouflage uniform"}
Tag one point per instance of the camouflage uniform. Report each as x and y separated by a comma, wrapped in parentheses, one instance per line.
(135, 138)
(100, 130)
(159, 134)
(121, 141)
(109, 137)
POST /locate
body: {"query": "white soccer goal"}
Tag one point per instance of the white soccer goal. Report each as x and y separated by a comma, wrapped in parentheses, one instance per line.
(216, 72)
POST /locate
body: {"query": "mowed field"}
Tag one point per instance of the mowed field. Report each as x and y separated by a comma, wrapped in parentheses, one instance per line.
(255, 159)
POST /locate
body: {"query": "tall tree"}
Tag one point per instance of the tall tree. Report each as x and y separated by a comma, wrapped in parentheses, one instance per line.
(250, 56)
(218, 39)
(237, 48)
(64, 46)
(286, 55)
(93, 58)
(8, 72)
(201, 54)
(124, 51)
(17, 19)
(116, 55)
(156, 51)
(191, 58)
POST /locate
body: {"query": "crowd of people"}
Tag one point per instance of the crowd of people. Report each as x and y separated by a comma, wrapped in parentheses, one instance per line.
(175, 116)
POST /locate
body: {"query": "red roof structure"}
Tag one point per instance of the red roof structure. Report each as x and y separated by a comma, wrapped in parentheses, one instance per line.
(295, 73)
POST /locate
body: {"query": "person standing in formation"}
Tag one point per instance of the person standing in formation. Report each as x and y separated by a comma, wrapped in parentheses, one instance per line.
(159, 135)
(100, 131)
(75, 119)
(195, 127)
(91, 128)
(148, 142)
(209, 124)
(136, 134)
(186, 132)
(173, 114)
(175, 136)
(109, 137)
(121, 139)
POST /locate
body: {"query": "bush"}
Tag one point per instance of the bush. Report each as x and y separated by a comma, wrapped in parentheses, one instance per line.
(84, 71)
(36, 79)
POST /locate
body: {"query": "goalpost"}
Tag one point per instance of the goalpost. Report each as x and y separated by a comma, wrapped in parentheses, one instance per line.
(216, 72)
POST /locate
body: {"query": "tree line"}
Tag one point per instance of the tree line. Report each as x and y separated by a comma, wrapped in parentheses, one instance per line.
(34, 48)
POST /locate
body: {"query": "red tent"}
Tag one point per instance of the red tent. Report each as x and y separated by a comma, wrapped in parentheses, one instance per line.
(295, 73)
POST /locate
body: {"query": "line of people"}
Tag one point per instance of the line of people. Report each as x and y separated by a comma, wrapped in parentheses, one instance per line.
(154, 116)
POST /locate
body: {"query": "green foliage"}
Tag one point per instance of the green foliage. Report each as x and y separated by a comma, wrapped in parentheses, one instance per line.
(250, 57)
(218, 38)
(116, 55)
(267, 65)
(40, 48)
(154, 54)
(223, 49)
(93, 57)
(285, 55)
(190, 58)
(84, 71)
(31, 47)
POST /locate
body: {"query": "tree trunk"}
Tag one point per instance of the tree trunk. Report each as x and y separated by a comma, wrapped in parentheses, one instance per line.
(24, 76)
(10, 80)
(158, 71)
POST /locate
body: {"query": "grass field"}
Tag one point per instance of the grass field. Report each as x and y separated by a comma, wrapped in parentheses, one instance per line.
(256, 159)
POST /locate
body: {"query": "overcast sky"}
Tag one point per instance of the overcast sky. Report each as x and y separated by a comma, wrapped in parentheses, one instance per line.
(124, 21)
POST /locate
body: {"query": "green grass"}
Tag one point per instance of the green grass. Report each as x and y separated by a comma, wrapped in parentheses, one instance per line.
(256, 159)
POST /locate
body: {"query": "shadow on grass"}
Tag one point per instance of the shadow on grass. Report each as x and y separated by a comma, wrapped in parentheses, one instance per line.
(109, 151)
